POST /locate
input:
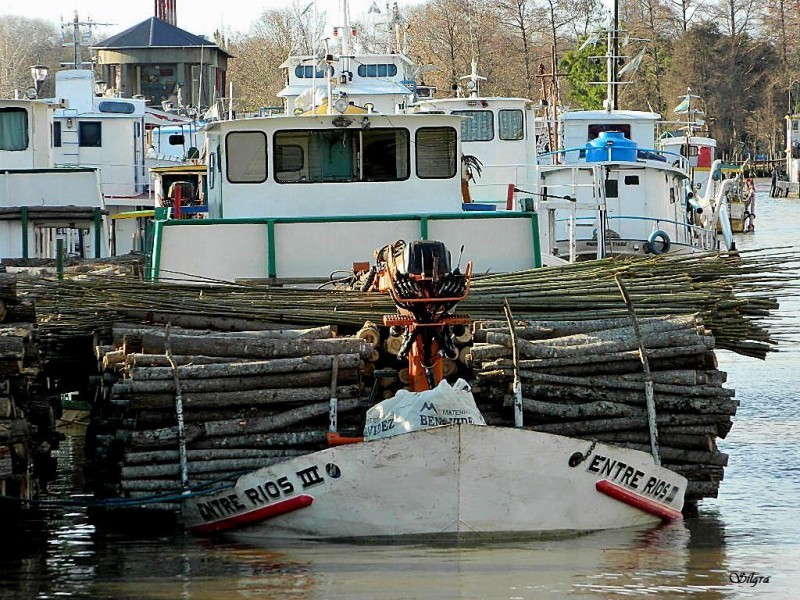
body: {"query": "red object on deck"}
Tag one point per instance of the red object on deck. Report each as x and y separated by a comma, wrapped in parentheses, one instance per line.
(630, 498)
(510, 196)
(176, 202)
(704, 156)
(255, 516)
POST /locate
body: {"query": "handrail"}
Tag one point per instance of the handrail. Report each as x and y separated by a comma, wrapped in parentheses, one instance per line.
(684, 163)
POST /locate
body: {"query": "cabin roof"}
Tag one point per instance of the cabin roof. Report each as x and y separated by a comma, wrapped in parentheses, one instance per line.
(605, 116)
(383, 88)
(155, 33)
(324, 121)
(367, 59)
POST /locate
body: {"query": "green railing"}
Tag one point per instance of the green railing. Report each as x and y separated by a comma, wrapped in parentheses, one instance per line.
(270, 223)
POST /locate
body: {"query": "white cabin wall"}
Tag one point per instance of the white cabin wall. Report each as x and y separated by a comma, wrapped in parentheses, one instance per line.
(51, 188)
(38, 154)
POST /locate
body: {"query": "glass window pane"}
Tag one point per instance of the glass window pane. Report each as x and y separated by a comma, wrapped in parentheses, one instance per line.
(246, 156)
(329, 155)
(56, 134)
(90, 134)
(13, 129)
(436, 152)
(479, 127)
(385, 154)
(511, 124)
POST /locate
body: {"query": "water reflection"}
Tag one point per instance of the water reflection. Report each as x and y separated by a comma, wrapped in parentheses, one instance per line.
(752, 527)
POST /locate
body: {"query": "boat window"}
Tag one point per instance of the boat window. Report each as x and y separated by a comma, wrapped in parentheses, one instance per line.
(288, 157)
(307, 72)
(510, 124)
(13, 129)
(612, 188)
(56, 134)
(383, 70)
(176, 140)
(314, 156)
(436, 152)
(90, 134)
(479, 127)
(246, 156)
(631, 180)
(692, 150)
(116, 106)
(595, 130)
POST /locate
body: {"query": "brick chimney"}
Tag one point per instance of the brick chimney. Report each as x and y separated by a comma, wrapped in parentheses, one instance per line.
(166, 11)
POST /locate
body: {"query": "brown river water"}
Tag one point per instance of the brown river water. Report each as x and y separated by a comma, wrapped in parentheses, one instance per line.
(744, 544)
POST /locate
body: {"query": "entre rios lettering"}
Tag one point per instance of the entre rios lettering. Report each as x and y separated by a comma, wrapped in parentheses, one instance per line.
(623, 474)
(260, 494)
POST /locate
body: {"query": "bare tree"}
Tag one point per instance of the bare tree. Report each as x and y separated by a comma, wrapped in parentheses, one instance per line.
(25, 42)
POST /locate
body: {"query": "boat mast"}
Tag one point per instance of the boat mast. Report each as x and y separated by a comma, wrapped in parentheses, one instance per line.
(612, 56)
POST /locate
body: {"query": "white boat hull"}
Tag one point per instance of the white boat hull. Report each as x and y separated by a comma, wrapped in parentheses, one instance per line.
(456, 479)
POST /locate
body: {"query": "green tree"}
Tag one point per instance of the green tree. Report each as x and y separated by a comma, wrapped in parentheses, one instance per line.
(582, 67)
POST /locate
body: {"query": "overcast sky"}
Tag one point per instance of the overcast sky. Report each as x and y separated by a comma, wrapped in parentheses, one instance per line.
(201, 17)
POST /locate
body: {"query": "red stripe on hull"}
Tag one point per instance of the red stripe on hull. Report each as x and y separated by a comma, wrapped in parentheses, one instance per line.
(630, 498)
(254, 516)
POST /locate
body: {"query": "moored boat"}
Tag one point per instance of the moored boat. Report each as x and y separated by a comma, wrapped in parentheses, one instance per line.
(460, 479)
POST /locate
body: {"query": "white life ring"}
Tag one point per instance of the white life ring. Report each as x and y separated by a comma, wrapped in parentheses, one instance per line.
(661, 237)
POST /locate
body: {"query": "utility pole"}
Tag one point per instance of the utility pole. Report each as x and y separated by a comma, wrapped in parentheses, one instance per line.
(80, 38)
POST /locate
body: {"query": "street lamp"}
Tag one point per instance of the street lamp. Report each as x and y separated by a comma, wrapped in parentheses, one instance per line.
(38, 74)
(791, 86)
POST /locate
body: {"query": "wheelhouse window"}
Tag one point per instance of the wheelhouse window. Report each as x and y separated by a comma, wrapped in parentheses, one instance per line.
(117, 106)
(246, 156)
(478, 127)
(90, 134)
(316, 156)
(511, 124)
(56, 134)
(383, 70)
(597, 129)
(13, 129)
(436, 152)
(307, 72)
(176, 139)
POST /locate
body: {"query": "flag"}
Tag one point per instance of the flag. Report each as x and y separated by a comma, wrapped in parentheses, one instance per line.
(373, 8)
(633, 65)
(590, 41)
(683, 106)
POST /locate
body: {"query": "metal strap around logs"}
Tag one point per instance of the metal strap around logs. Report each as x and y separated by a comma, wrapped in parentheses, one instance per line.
(184, 465)
(517, 389)
(333, 406)
(648, 377)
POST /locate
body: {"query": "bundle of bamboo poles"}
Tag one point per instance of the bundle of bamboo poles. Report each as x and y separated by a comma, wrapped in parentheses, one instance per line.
(235, 400)
(734, 294)
(585, 379)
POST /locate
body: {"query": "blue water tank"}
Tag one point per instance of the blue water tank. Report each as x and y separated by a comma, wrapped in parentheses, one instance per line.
(622, 148)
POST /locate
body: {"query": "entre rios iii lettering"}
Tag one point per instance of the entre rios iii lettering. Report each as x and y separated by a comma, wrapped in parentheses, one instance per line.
(634, 479)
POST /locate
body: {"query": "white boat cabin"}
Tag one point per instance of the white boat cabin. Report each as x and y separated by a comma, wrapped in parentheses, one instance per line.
(106, 133)
(297, 166)
(295, 199)
(609, 171)
(501, 133)
(384, 80)
(699, 151)
(41, 204)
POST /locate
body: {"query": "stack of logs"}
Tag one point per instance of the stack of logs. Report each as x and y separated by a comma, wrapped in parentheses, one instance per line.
(27, 417)
(248, 399)
(253, 398)
(585, 379)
